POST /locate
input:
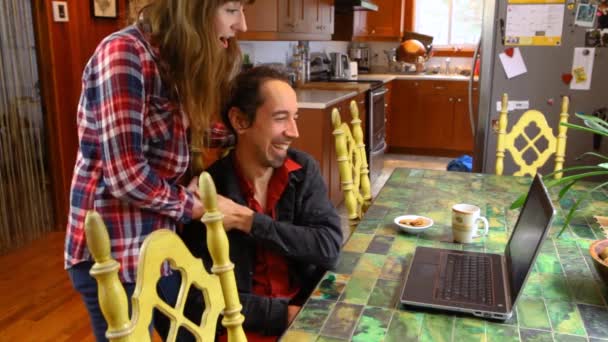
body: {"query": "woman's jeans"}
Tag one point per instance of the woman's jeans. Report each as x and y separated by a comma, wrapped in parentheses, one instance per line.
(86, 285)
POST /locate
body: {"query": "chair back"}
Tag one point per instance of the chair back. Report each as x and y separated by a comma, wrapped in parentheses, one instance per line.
(219, 289)
(352, 163)
(507, 141)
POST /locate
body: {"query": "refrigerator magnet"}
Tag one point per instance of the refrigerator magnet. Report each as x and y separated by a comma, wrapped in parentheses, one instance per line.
(582, 68)
(585, 15)
(580, 75)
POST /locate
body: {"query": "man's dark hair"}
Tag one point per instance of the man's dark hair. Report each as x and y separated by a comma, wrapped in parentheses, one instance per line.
(246, 94)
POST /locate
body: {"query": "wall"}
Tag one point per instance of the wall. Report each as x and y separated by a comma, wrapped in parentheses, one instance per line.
(281, 52)
(63, 49)
(379, 58)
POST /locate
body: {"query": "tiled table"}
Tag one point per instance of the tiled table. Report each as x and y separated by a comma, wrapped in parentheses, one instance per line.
(563, 300)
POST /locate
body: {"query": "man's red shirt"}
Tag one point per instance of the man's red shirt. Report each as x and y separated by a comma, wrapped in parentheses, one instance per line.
(271, 275)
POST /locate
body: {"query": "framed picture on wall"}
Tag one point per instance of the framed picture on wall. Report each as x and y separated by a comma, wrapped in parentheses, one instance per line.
(104, 9)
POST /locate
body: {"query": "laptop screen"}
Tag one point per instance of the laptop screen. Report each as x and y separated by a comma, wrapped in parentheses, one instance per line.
(528, 234)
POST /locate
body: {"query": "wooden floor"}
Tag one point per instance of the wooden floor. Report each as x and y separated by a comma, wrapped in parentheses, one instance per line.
(38, 302)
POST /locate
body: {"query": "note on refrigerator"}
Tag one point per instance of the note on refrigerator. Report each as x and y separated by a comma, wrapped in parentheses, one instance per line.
(514, 65)
(582, 68)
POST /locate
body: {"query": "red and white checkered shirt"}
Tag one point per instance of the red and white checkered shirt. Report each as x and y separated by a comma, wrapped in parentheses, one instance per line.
(133, 148)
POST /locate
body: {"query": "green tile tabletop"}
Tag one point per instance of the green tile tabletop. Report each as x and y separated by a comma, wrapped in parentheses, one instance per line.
(563, 300)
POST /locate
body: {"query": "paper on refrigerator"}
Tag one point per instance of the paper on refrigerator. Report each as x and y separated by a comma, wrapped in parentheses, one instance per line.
(514, 66)
(582, 68)
(534, 24)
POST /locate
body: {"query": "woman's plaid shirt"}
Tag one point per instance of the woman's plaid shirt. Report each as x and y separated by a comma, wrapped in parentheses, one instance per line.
(132, 151)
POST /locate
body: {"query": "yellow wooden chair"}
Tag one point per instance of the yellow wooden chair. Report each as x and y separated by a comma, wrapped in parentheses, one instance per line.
(507, 141)
(219, 289)
(352, 163)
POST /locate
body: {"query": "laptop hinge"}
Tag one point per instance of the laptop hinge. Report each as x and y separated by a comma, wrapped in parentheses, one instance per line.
(507, 283)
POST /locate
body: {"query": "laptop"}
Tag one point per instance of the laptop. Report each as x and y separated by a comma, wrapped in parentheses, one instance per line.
(483, 284)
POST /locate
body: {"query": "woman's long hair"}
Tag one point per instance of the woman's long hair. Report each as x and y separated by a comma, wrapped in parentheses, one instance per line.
(192, 58)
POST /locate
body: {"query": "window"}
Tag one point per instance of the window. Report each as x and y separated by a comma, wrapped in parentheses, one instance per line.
(450, 22)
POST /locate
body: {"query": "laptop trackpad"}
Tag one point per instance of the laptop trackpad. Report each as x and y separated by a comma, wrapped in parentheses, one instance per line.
(420, 282)
(425, 272)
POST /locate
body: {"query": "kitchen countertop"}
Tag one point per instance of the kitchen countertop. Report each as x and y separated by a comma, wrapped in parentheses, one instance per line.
(321, 95)
(321, 99)
(389, 77)
(359, 87)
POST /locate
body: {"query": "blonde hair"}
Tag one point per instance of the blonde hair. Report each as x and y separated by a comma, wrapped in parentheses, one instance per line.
(192, 58)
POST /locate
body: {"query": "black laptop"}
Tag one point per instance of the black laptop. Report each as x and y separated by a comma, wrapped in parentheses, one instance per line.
(483, 284)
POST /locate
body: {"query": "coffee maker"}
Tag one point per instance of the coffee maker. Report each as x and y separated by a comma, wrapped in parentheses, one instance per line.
(361, 55)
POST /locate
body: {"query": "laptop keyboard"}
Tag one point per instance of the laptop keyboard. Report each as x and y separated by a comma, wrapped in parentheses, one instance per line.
(468, 278)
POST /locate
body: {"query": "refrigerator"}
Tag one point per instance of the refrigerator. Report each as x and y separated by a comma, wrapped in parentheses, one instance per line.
(540, 85)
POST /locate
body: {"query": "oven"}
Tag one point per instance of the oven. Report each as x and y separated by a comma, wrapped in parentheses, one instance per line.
(375, 123)
(375, 142)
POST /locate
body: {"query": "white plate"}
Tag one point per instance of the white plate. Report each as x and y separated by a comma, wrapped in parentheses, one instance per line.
(412, 229)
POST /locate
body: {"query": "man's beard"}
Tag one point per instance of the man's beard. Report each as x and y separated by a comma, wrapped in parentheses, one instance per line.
(274, 161)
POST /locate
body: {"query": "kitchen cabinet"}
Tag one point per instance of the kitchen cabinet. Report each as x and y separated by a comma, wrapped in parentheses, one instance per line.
(400, 120)
(321, 16)
(289, 20)
(430, 117)
(291, 16)
(462, 134)
(306, 16)
(386, 24)
(261, 17)
(316, 138)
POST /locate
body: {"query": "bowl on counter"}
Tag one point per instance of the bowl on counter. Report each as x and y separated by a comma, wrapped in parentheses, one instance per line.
(413, 224)
(600, 266)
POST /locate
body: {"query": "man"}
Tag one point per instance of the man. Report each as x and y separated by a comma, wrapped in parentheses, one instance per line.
(284, 232)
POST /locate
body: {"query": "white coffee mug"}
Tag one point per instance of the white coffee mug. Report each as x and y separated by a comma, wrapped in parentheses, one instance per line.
(465, 219)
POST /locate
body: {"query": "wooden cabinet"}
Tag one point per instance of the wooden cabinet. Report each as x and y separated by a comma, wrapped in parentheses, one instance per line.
(262, 16)
(401, 119)
(430, 117)
(291, 16)
(387, 22)
(321, 17)
(384, 24)
(434, 127)
(316, 138)
(462, 133)
(306, 16)
(289, 20)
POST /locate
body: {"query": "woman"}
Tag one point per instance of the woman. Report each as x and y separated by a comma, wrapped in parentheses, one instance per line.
(145, 91)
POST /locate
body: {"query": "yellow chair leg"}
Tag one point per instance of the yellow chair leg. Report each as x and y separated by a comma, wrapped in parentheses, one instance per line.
(560, 155)
(502, 131)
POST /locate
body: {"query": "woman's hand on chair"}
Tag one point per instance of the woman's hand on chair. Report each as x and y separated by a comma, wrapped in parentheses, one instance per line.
(197, 209)
(236, 216)
(193, 187)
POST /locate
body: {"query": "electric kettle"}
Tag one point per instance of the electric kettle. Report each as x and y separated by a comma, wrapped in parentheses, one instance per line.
(340, 65)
